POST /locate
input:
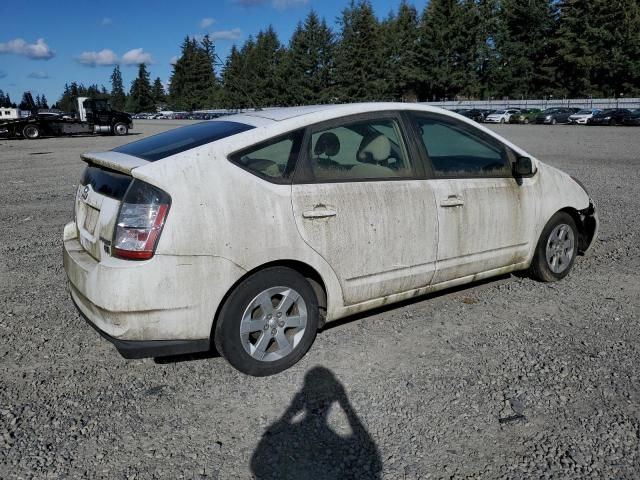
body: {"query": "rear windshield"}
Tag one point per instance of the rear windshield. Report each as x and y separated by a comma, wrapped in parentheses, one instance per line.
(106, 182)
(181, 139)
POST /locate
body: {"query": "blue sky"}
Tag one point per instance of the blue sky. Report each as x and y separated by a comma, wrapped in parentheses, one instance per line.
(53, 42)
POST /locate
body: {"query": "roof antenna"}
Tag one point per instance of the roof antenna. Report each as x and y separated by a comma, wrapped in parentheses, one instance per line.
(220, 63)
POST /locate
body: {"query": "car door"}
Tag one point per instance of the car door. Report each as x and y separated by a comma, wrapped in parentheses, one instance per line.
(483, 211)
(361, 201)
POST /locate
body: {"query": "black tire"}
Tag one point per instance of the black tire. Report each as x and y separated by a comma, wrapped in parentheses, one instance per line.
(502, 120)
(613, 122)
(31, 132)
(227, 336)
(541, 269)
(120, 129)
(526, 121)
(553, 121)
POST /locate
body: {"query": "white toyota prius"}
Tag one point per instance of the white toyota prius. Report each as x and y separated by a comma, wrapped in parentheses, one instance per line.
(251, 231)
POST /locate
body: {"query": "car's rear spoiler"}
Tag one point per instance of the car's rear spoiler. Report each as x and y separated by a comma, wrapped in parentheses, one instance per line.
(120, 162)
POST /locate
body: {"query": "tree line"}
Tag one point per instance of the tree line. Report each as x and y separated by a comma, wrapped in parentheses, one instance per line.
(464, 49)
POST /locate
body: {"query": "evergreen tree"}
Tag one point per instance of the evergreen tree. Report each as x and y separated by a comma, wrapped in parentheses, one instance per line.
(234, 81)
(359, 71)
(442, 52)
(264, 83)
(524, 47)
(192, 84)
(599, 47)
(308, 64)
(157, 92)
(140, 98)
(24, 104)
(43, 102)
(118, 97)
(400, 39)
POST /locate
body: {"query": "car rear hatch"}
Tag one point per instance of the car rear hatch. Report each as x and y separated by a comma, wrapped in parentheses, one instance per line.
(98, 199)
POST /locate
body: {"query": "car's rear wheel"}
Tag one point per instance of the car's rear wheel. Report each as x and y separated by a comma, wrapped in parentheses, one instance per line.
(268, 322)
(31, 132)
(556, 249)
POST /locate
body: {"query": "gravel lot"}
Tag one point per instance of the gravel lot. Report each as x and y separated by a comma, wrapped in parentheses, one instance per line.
(506, 379)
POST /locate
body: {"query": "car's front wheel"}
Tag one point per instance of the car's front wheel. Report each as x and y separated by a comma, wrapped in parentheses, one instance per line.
(268, 322)
(556, 249)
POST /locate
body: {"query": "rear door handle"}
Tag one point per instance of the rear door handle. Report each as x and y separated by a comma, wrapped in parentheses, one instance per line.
(319, 213)
(452, 201)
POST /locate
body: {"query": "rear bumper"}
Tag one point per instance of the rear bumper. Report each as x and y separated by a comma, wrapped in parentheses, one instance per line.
(166, 299)
(133, 349)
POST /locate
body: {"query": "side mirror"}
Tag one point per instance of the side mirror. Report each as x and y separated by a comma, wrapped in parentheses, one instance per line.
(523, 167)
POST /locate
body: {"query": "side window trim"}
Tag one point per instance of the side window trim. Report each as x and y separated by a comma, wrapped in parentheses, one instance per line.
(298, 136)
(304, 172)
(414, 116)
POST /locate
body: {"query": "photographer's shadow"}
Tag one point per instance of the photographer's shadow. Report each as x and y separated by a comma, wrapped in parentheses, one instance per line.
(309, 448)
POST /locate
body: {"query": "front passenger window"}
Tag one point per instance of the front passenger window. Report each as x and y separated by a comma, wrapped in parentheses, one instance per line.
(456, 151)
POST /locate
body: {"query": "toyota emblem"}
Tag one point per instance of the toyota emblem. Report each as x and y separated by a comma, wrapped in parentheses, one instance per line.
(85, 192)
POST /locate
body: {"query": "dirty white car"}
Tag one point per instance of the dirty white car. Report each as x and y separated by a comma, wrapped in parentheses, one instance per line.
(252, 231)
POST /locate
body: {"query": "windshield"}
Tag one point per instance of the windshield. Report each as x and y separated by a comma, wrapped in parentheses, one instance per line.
(498, 112)
(182, 139)
(584, 112)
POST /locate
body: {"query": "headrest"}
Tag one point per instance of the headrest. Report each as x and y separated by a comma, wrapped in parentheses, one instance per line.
(328, 144)
(375, 147)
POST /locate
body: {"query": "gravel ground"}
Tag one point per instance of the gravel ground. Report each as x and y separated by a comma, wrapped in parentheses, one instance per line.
(509, 378)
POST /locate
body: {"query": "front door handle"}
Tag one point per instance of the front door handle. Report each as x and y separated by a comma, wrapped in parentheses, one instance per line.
(452, 201)
(319, 213)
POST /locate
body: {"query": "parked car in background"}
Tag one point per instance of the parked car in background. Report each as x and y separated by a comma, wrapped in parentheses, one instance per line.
(500, 116)
(610, 116)
(527, 115)
(555, 115)
(256, 229)
(581, 117)
(633, 119)
(473, 113)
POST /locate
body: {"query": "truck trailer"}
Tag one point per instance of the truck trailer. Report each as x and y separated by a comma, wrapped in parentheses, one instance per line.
(90, 116)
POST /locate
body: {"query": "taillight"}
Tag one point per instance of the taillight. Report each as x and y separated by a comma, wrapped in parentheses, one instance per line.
(142, 215)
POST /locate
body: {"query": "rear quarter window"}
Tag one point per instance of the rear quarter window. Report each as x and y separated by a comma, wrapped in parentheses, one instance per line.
(182, 139)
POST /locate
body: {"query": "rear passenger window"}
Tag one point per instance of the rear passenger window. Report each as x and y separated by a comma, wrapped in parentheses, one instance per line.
(455, 150)
(274, 159)
(364, 150)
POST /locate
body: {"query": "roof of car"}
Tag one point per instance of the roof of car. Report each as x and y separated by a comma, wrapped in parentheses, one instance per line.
(270, 115)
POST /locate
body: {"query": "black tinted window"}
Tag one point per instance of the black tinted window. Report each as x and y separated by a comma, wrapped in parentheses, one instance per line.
(181, 139)
(106, 182)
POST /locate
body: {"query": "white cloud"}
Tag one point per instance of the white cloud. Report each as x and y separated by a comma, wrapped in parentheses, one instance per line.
(284, 4)
(38, 75)
(106, 21)
(103, 58)
(174, 59)
(136, 56)
(233, 34)
(207, 22)
(279, 4)
(37, 51)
